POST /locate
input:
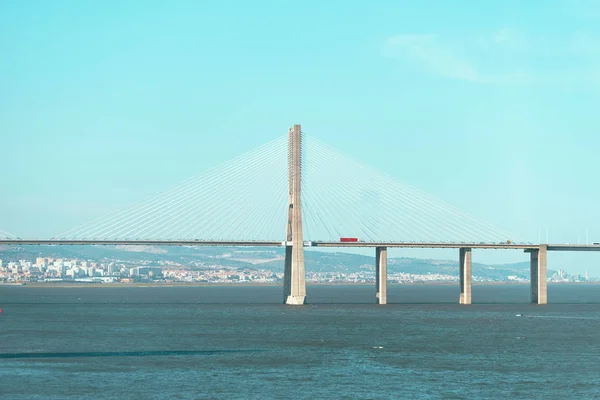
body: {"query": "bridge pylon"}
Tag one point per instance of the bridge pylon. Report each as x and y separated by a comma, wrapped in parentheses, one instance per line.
(294, 282)
(539, 273)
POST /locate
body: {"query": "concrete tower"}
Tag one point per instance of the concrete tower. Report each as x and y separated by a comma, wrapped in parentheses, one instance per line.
(294, 285)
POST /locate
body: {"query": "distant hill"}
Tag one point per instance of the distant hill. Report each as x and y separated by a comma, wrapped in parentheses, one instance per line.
(254, 258)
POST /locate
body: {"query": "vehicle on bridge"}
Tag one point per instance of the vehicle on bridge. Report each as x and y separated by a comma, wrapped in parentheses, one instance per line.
(349, 240)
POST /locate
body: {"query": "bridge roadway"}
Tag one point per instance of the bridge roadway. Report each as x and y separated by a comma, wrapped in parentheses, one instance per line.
(428, 245)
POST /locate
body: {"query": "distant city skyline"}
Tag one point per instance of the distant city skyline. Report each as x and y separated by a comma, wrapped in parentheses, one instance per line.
(237, 266)
(489, 107)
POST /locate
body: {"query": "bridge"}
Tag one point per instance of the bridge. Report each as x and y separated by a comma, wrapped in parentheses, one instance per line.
(296, 188)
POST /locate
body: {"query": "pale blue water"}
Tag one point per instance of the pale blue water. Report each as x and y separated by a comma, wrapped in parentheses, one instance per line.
(238, 342)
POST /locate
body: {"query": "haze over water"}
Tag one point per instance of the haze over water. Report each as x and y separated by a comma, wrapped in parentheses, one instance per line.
(240, 342)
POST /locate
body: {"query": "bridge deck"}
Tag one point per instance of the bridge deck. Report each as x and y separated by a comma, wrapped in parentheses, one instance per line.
(139, 242)
(574, 247)
(427, 245)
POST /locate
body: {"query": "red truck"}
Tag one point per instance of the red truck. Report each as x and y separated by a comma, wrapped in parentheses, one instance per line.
(349, 239)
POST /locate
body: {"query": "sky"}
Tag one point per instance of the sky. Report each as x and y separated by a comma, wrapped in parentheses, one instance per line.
(490, 106)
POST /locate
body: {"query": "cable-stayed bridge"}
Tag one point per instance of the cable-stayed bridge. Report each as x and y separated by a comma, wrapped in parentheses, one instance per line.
(296, 191)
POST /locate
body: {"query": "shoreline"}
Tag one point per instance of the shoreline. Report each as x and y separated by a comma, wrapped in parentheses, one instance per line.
(67, 285)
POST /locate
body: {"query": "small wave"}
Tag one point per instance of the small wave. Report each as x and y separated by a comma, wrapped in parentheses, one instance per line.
(559, 317)
(122, 353)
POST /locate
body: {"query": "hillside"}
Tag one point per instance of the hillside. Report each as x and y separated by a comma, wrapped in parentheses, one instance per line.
(254, 258)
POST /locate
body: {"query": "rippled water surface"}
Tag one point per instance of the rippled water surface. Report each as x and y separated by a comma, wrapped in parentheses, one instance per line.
(239, 342)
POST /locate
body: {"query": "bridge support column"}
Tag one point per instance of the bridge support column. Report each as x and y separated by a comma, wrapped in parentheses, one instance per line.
(539, 272)
(466, 276)
(381, 274)
(294, 281)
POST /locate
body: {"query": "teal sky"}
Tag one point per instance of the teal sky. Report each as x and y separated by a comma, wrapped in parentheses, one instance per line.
(491, 106)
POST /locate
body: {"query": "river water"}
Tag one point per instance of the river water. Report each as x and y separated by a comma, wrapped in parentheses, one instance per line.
(240, 342)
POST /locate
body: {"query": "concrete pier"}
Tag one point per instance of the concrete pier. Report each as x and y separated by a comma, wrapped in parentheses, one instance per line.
(539, 272)
(381, 274)
(466, 275)
(294, 282)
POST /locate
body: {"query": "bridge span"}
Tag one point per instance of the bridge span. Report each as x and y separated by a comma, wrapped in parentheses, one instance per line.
(250, 194)
(277, 243)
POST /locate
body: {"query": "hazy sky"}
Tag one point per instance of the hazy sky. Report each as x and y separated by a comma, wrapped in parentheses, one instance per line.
(491, 106)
